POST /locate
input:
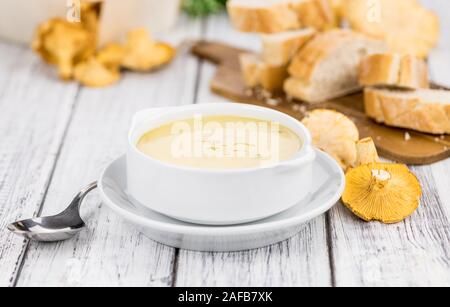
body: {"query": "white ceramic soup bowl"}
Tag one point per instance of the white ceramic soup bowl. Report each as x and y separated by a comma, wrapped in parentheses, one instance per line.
(217, 197)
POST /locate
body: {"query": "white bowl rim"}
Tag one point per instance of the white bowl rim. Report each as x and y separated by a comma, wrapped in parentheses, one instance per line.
(197, 229)
(298, 159)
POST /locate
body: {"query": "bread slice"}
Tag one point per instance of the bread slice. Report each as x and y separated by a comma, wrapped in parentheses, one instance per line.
(402, 71)
(338, 7)
(423, 110)
(263, 16)
(250, 68)
(279, 49)
(327, 66)
(318, 14)
(272, 16)
(258, 73)
(406, 26)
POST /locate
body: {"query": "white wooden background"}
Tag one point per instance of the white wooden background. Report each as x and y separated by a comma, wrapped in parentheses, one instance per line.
(56, 137)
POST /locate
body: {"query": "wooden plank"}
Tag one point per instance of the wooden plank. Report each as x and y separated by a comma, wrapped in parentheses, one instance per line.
(300, 261)
(109, 252)
(412, 253)
(33, 121)
(441, 173)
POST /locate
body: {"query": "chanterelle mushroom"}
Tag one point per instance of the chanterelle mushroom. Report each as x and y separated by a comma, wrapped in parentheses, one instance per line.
(388, 193)
(333, 133)
(63, 44)
(92, 73)
(111, 55)
(143, 54)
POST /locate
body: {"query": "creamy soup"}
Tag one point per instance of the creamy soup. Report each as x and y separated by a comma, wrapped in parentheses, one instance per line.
(220, 142)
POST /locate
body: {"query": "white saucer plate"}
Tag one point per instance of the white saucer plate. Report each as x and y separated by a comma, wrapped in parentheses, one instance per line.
(328, 185)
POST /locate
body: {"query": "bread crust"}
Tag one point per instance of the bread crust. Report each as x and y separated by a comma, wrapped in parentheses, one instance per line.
(320, 47)
(250, 69)
(318, 14)
(308, 60)
(407, 111)
(414, 73)
(389, 69)
(275, 17)
(280, 53)
(295, 88)
(257, 73)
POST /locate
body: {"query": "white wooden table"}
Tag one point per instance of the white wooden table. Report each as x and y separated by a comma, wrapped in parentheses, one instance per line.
(57, 137)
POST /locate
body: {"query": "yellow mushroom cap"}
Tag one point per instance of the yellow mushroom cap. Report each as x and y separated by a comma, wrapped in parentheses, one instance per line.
(111, 55)
(143, 54)
(333, 133)
(93, 74)
(383, 192)
(90, 15)
(64, 44)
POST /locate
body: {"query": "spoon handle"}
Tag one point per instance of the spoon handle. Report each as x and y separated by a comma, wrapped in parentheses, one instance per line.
(78, 200)
(88, 189)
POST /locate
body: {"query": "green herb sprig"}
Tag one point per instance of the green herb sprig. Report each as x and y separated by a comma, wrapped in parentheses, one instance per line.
(203, 8)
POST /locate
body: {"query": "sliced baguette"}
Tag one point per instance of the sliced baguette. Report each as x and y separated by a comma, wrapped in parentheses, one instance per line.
(258, 73)
(423, 110)
(263, 16)
(318, 14)
(272, 16)
(338, 7)
(250, 68)
(406, 25)
(327, 66)
(403, 71)
(279, 49)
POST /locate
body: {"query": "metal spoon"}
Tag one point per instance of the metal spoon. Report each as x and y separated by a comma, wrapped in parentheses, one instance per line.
(54, 228)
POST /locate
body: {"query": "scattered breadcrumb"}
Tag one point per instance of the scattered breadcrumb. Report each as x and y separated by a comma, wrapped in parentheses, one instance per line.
(442, 137)
(299, 108)
(266, 94)
(378, 138)
(259, 93)
(249, 92)
(272, 102)
(407, 136)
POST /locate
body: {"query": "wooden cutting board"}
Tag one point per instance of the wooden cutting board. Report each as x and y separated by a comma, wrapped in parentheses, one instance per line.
(392, 143)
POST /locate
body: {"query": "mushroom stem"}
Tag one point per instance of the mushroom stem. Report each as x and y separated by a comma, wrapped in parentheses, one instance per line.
(381, 178)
